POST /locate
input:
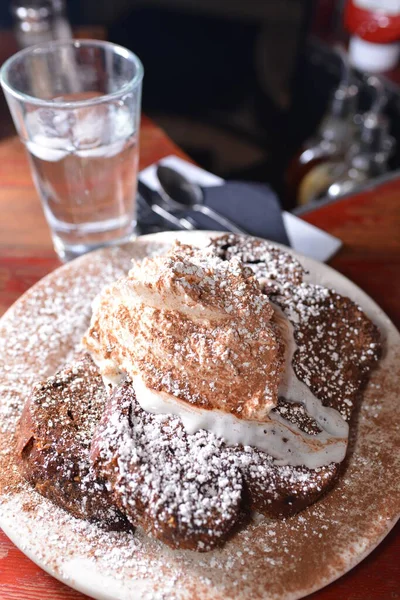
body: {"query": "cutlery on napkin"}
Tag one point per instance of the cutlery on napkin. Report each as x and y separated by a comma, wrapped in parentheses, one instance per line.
(253, 206)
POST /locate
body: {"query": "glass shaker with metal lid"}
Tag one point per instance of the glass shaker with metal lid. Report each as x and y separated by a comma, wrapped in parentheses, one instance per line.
(38, 21)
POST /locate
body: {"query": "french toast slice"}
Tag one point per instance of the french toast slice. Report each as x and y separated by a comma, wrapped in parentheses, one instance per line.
(53, 442)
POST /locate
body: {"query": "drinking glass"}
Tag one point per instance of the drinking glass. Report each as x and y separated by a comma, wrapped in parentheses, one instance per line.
(76, 107)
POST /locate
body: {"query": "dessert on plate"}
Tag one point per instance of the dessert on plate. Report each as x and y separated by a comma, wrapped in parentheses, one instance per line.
(215, 382)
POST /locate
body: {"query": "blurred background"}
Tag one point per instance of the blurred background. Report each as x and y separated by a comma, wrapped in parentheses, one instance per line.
(244, 87)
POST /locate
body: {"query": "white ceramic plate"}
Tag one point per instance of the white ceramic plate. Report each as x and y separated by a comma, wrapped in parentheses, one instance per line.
(269, 560)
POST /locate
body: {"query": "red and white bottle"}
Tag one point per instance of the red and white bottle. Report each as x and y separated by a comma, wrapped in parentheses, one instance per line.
(374, 26)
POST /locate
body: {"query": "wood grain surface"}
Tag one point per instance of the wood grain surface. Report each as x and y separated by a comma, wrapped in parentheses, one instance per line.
(368, 224)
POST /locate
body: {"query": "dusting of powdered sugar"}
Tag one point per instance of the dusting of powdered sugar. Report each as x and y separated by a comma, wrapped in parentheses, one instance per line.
(50, 325)
(337, 344)
(266, 559)
(54, 437)
(274, 269)
(183, 488)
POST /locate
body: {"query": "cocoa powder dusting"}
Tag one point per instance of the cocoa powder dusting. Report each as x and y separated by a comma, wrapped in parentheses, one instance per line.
(266, 558)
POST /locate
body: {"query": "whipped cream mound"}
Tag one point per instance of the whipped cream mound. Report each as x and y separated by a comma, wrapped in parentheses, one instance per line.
(193, 326)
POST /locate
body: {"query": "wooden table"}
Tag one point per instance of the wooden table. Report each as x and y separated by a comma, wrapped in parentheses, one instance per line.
(369, 225)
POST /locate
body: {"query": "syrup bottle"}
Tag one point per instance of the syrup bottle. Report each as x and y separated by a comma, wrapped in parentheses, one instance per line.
(332, 140)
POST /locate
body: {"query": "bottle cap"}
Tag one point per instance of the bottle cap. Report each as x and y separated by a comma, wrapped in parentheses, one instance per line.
(374, 58)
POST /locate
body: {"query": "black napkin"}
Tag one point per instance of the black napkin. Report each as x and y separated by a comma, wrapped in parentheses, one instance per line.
(252, 206)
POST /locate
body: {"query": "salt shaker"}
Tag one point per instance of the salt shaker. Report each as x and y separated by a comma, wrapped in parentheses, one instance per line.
(38, 21)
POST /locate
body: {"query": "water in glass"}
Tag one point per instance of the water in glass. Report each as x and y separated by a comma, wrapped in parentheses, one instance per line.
(85, 166)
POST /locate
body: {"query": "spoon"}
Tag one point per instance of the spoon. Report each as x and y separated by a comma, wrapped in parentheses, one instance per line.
(182, 194)
(153, 201)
